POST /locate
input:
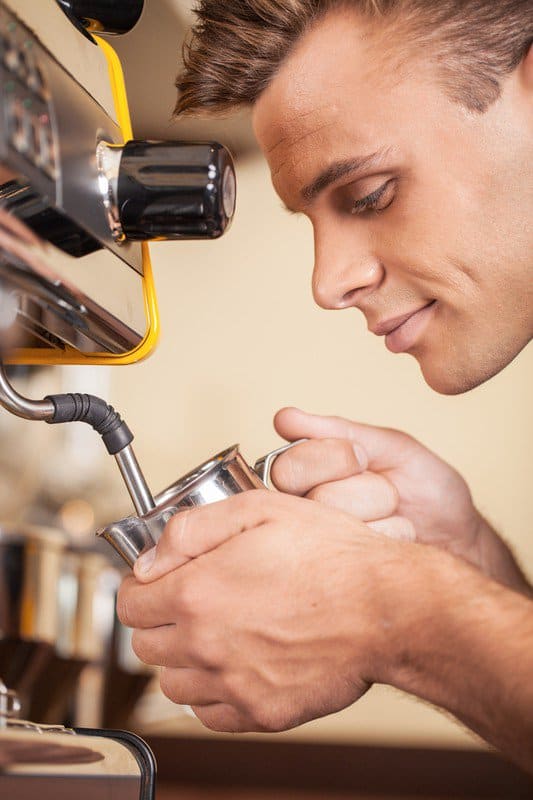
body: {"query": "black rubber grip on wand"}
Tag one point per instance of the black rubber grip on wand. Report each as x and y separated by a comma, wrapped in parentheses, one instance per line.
(95, 412)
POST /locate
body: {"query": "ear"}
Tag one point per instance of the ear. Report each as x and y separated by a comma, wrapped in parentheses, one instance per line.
(526, 69)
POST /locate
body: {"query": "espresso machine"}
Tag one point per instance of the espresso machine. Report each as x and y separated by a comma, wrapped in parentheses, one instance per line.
(80, 198)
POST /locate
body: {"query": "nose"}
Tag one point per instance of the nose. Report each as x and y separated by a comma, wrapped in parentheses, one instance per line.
(346, 269)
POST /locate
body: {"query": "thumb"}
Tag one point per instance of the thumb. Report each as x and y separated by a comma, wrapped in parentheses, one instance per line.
(384, 447)
(196, 531)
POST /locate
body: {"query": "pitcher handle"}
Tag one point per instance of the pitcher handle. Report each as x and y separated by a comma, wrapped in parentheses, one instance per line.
(263, 465)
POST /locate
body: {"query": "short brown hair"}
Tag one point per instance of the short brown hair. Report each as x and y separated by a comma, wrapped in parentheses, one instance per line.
(237, 46)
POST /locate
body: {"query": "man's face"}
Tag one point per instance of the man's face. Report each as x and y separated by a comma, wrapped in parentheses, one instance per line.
(421, 210)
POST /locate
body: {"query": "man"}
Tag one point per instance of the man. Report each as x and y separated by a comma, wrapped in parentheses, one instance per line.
(403, 130)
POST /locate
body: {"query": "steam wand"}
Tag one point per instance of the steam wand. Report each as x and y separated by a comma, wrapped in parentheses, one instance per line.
(103, 418)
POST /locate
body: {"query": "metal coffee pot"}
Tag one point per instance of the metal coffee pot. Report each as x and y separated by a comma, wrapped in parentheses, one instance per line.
(223, 475)
(30, 566)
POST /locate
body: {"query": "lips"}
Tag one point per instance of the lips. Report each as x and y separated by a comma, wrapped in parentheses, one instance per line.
(390, 325)
(402, 333)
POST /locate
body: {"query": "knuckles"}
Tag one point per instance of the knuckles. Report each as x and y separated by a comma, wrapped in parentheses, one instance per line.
(385, 495)
(343, 453)
(168, 686)
(223, 720)
(390, 496)
(321, 494)
(126, 607)
(268, 717)
(147, 651)
(287, 471)
(293, 470)
(404, 530)
(236, 719)
(206, 647)
(191, 593)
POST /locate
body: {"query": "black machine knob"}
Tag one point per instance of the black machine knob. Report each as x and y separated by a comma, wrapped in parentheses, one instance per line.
(175, 190)
(103, 16)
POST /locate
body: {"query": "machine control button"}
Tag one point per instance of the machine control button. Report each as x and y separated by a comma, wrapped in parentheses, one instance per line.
(175, 190)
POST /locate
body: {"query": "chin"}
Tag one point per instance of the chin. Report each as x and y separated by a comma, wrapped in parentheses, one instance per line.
(454, 365)
(452, 379)
(446, 384)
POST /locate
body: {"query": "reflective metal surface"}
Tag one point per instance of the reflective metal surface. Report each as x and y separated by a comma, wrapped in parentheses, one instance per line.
(217, 479)
(81, 290)
(220, 477)
(131, 536)
(56, 762)
(135, 480)
(50, 130)
(55, 301)
(9, 705)
(70, 179)
(30, 566)
(21, 406)
(85, 593)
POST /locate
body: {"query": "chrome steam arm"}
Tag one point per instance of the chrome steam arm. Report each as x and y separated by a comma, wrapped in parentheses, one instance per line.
(94, 411)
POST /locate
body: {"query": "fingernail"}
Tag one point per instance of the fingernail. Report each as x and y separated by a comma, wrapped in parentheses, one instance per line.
(361, 456)
(146, 561)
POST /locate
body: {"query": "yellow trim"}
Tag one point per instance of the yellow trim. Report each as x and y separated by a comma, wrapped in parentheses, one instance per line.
(116, 79)
(144, 348)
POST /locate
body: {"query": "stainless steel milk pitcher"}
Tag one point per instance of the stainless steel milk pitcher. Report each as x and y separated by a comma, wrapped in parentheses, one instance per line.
(222, 476)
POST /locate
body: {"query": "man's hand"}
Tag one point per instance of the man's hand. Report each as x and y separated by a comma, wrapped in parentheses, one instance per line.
(265, 610)
(393, 483)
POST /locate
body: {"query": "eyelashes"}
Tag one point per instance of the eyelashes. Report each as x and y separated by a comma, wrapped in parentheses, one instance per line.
(376, 201)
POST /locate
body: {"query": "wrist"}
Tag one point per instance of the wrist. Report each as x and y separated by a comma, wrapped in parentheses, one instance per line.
(495, 559)
(408, 588)
(464, 643)
(416, 581)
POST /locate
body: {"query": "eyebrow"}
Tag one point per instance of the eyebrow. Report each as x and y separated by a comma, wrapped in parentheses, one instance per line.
(338, 170)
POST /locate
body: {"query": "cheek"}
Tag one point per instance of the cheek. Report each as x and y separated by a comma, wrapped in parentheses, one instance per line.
(436, 247)
(468, 344)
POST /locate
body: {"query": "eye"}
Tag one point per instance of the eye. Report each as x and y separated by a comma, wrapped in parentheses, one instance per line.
(376, 201)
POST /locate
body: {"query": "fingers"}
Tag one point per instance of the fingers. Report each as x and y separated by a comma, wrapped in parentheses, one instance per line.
(316, 461)
(190, 534)
(395, 528)
(139, 608)
(369, 496)
(156, 646)
(383, 446)
(190, 687)
(222, 717)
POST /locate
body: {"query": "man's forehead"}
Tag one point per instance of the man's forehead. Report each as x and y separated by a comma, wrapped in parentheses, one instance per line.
(331, 84)
(288, 127)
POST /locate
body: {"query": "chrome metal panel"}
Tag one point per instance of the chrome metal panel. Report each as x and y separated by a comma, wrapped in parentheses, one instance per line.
(74, 123)
(71, 291)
